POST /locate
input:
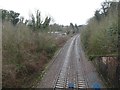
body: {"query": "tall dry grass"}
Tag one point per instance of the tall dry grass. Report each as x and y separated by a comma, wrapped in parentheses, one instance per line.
(25, 54)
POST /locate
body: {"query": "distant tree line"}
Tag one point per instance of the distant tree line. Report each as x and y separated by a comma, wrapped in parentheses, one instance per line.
(106, 8)
(11, 16)
(35, 22)
(75, 28)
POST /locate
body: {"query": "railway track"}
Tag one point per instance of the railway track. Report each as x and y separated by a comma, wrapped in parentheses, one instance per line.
(71, 74)
(70, 69)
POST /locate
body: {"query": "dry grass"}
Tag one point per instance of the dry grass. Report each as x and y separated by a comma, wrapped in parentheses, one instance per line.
(25, 53)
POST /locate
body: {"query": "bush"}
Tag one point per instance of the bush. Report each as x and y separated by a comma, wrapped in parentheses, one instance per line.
(101, 38)
(25, 53)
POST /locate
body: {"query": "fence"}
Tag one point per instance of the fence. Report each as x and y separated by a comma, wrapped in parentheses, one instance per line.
(109, 67)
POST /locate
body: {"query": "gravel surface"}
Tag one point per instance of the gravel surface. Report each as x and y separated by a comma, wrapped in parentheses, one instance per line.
(70, 69)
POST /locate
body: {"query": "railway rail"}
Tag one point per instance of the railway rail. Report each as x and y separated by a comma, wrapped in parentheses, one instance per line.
(71, 74)
(70, 69)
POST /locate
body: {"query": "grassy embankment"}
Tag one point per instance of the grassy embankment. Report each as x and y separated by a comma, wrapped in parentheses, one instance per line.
(100, 38)
(25, 54)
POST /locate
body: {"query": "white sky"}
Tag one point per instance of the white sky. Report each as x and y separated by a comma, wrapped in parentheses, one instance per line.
(62, 11)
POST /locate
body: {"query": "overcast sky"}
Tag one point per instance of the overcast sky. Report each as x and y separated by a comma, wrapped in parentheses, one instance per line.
(62, 11)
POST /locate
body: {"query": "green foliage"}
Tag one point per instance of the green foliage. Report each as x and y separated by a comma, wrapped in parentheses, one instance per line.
(92, 57)
(33, 22)
(4, 14)
(38, 19)
(56, 27)
(74, 28)
(71, 25)
(101, 39)
(97, 15)
(46, 22)
(10, 16)
(25, 53)
(36, 23)
(50, 50)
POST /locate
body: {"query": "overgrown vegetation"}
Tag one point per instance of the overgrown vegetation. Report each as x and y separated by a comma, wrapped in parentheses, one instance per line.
(26, 48)
(100, 40)
(100, 35)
